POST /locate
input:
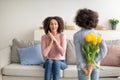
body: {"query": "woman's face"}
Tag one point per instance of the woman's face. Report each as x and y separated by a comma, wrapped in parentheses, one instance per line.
(53, 25)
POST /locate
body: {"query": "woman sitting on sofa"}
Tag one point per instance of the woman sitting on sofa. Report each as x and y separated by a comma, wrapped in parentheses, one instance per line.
(53, 47)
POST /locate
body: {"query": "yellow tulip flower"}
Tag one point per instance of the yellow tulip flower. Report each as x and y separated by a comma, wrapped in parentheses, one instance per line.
(94, 41)
(88, 38)
(99, 39)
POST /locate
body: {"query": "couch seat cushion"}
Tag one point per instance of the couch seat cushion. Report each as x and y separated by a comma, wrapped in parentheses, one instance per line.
(110, 71)
(70, 71)
(24, 70)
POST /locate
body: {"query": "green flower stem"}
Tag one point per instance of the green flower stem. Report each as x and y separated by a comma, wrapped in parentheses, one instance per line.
(90, 52)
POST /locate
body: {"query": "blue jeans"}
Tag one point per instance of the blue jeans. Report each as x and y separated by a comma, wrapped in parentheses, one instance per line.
(52, 67)
(94, 75)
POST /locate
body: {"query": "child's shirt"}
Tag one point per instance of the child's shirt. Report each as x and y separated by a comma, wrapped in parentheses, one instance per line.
(79, 42)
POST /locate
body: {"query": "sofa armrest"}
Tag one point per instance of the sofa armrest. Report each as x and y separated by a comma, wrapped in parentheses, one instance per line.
(5, 55)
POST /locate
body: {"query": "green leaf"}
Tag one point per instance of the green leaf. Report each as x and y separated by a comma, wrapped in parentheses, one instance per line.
(113, 21)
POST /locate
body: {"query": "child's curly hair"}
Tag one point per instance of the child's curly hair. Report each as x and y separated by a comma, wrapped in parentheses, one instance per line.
(86, 18)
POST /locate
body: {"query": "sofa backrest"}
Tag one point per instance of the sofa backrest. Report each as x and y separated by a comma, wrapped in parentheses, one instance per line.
(70, 51)
(112, 58)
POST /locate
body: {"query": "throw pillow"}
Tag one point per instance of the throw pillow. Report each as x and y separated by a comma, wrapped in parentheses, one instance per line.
(31, 55)
(20, 44)
(113, 56)
(70, 53)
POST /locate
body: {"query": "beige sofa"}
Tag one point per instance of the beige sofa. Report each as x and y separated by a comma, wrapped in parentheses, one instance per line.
(11, 69)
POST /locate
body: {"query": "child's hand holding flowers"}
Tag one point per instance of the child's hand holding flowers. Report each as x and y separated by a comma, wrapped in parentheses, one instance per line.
(90, 50)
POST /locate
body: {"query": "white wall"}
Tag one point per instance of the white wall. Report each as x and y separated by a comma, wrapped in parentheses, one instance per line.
(19, 18)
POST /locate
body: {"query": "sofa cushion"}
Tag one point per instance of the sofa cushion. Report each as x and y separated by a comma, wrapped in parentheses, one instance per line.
(70, 53)
(17, 69)
(22, 78)
(109, 71)
(71, 72)
(20, 44)
(113, 56)
(113, 42)
(31, 55)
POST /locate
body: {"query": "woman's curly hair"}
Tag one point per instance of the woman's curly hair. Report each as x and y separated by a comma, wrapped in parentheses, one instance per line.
(86, 18)
(46, 24)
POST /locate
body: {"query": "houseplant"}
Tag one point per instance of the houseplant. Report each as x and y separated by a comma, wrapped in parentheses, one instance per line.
(113, 23)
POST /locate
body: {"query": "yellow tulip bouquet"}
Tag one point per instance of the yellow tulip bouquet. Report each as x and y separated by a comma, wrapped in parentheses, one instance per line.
(91, 49)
